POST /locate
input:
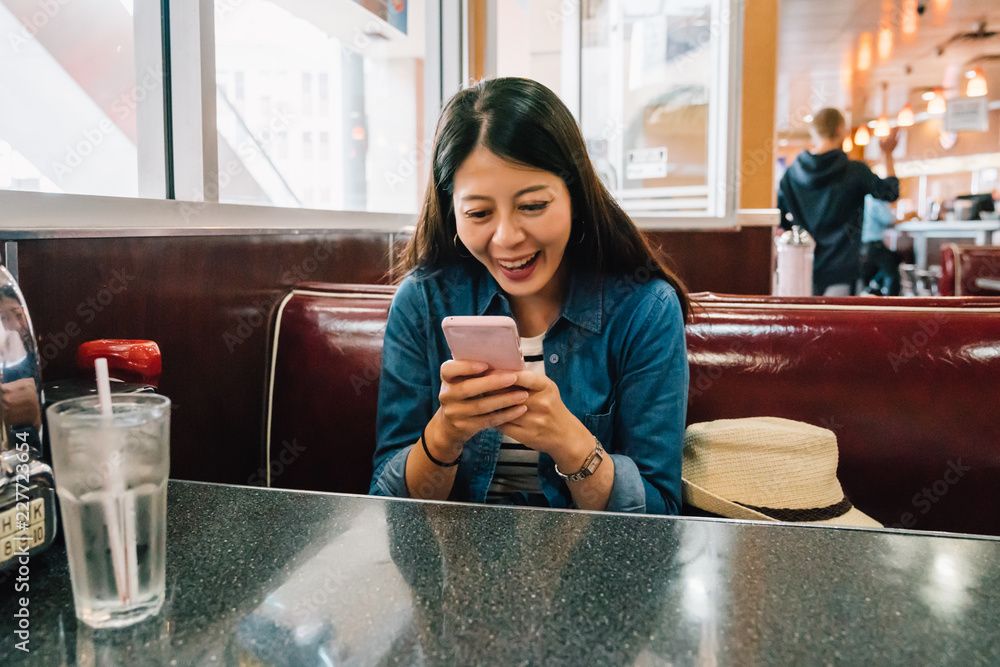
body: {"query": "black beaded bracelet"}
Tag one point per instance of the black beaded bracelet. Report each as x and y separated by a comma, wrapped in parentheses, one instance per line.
(423, 441)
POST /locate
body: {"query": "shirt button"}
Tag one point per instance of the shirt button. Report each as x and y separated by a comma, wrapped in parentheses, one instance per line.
(553, 358)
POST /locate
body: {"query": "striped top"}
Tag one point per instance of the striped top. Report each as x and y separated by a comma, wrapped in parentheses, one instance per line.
(515, 480)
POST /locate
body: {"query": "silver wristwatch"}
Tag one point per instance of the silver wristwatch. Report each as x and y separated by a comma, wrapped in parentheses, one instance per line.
(589, 466)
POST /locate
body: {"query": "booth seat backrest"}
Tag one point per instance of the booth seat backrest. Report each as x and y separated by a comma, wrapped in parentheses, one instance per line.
(962, 265)
(323, 387)
(910, 387)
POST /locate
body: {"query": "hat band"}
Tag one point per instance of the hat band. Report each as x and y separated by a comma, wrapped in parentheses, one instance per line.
(807, 515)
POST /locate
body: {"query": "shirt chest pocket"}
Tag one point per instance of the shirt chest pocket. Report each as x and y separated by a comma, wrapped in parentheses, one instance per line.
(602, 425)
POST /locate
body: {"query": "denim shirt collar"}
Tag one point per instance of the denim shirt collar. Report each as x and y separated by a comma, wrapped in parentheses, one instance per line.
(584, 305)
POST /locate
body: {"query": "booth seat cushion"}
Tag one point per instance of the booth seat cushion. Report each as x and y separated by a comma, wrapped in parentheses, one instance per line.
(962, 265)
(909, 386)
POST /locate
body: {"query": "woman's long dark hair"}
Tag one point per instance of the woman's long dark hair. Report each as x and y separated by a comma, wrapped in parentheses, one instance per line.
(524, 122)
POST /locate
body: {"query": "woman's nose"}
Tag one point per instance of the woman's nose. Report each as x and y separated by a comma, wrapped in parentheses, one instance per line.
(508, 232)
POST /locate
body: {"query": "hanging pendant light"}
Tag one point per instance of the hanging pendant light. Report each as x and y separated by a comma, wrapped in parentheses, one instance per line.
(977, 84)
(865, 52)
(905, 117)
(937, 105)
(882, 126)
(908, 21)
(848, 145)
(861, 137)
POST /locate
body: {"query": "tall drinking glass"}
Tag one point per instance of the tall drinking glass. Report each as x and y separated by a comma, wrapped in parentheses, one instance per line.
(111, 476)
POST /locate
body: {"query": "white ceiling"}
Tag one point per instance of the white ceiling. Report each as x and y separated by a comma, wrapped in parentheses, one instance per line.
(818, 49)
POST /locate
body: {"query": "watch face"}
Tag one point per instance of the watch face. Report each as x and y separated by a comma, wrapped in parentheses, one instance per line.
(596, 461)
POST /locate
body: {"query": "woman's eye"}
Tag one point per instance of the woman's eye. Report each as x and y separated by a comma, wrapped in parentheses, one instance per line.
(476, 214)
(535, 207)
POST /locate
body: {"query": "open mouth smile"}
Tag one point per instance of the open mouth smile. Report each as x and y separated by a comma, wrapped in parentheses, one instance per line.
(519, 265)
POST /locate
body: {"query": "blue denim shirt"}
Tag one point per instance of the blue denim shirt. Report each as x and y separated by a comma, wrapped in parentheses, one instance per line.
(617, 354)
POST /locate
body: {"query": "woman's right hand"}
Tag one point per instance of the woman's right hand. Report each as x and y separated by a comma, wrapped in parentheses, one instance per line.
(473, 400)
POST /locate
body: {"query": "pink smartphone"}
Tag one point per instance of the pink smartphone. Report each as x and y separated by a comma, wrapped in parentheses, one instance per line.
(488, 338)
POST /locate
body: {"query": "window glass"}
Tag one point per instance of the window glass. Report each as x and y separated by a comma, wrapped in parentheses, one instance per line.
(655, 89)
(69, 98)
(536, 52)
(652, 73)
(321, 107)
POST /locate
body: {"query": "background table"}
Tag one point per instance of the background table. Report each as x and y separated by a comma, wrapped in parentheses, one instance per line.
(268, 577)
(982, 232)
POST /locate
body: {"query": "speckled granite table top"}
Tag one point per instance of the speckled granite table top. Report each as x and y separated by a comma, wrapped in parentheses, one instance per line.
(269, 577)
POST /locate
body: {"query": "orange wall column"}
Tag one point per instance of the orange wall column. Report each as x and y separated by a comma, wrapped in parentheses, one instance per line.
(477, 38)
(760, 76)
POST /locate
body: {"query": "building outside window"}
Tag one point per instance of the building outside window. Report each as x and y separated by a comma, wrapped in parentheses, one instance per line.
(351, 89)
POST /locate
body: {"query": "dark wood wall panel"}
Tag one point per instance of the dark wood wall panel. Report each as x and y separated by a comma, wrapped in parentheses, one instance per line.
(207, 302)
(727, 262)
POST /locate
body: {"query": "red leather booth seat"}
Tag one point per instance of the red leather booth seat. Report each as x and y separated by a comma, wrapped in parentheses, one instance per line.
(911, 387)
(961, 265)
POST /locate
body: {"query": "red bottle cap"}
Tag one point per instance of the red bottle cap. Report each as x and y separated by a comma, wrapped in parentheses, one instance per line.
(128, 360)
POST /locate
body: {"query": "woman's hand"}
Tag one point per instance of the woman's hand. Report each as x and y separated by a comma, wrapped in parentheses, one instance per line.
(548, 425)
(472, 400)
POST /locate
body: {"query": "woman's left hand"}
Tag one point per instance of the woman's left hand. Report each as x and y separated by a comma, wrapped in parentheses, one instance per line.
(548, 425)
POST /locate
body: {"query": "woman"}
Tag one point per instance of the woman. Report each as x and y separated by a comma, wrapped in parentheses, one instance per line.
(517, 223)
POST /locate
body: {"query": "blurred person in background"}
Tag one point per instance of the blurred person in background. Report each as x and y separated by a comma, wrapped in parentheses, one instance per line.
(879, 265)
(824, 193)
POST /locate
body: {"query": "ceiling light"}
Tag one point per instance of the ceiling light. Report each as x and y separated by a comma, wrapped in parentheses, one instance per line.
(861, 137)
(872, 124)
(865, 52)
(905, 117)
(846, 73)
(884, 43)
(908, 22)
(808, 118)
(977, 84)
(848, 145)
(928, 96)
(882, 126)
(937, 105)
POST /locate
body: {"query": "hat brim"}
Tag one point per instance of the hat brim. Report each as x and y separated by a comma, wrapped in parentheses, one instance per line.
(703, 499)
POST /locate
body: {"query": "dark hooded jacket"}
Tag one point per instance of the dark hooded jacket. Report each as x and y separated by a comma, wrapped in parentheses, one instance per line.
(825, 194)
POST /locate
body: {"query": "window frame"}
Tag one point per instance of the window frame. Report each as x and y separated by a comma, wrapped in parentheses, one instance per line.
(183, 172)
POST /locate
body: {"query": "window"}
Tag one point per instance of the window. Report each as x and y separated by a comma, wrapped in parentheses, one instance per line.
(324, 146)
(351, 89)
(307, 146)
(324, 94)
(307, 96)
(659, 103)
(82, 101)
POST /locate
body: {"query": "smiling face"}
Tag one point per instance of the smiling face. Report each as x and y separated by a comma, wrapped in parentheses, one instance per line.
(516, 221)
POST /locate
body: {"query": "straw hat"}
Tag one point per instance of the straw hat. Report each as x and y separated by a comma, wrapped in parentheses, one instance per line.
(766, 469)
